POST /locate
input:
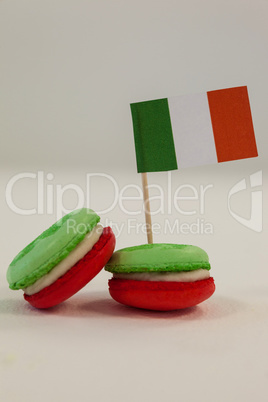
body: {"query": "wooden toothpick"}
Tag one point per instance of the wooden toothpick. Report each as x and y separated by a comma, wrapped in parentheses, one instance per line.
(146, 200)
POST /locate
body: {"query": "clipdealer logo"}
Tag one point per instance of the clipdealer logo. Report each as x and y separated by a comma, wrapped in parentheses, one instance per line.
(186, 200)
(255, 221)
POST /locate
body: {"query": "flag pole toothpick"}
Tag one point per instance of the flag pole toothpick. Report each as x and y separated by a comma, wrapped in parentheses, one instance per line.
(146, 200)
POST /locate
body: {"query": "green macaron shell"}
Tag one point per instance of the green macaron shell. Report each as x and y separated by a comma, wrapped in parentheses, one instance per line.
(159, 257)
(51, 247)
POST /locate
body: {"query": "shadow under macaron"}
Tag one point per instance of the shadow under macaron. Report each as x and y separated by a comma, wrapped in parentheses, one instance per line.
(98, 304)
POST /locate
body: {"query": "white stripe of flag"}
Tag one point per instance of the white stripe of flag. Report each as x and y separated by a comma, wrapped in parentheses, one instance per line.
(192, 130)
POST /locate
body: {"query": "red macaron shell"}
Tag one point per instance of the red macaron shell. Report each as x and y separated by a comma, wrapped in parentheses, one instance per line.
(78, 276)
(161, 296)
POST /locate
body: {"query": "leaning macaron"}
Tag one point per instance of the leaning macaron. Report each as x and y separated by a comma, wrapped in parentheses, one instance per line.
(62, 260)
(160, 276)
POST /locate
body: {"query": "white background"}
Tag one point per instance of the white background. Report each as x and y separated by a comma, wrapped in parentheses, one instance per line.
(69, 70)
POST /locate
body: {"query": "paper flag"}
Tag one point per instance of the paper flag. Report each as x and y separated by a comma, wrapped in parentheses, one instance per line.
(193, 130)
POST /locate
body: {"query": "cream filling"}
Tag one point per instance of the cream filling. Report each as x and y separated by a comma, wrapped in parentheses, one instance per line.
(67, 263)
(183, 276)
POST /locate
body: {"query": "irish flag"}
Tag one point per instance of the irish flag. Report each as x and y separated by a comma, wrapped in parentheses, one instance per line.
(193, 130)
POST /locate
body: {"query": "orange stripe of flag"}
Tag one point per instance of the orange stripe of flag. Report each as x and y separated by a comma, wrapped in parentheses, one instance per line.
(232, 124)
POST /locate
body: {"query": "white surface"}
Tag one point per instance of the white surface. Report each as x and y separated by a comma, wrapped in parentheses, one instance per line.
(90, 347)
(192, 130)
(69, 70)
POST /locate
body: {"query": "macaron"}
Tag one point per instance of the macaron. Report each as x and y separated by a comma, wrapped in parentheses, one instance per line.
(62, 260)
(160, 277)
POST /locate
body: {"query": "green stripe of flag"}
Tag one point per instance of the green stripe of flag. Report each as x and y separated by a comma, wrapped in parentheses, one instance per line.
(155, 150)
